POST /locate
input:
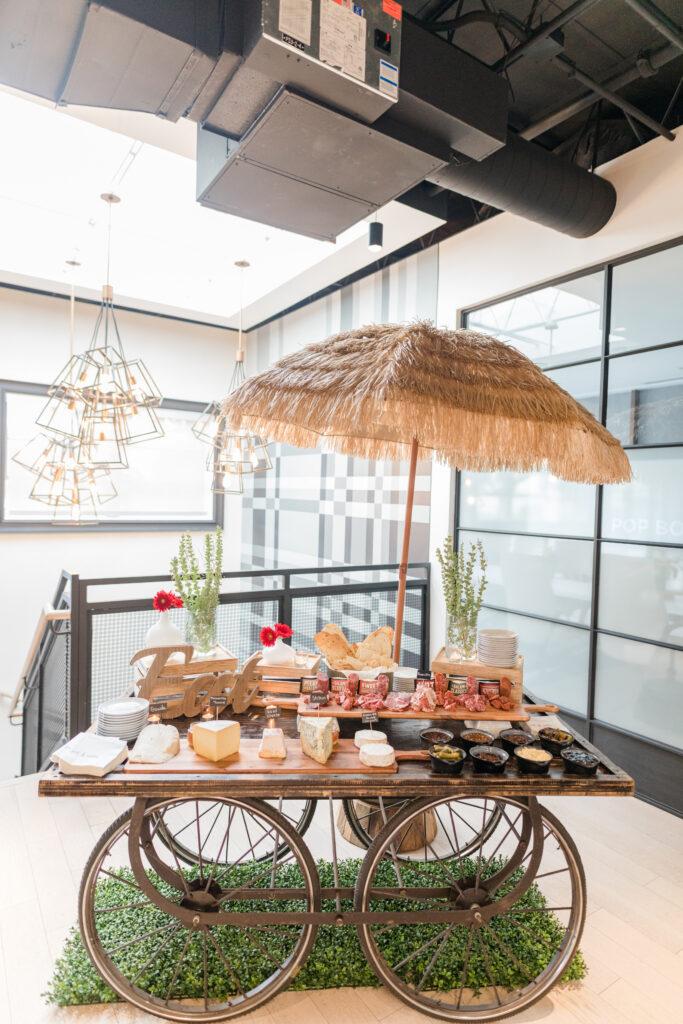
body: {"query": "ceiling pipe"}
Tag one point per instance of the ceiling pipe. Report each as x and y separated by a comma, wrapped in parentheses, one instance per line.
(500, 20)
(571, 13)
(608, 94)
(649, 64)
(659, 20)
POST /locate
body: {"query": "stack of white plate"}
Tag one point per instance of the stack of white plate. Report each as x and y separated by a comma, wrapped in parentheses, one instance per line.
(404, 680)
(124, 717)
(497, 647)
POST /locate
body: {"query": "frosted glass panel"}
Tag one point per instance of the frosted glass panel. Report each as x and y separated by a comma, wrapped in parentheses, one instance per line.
(651, 506)
(526, 502)
(646, 301)
(555, 658)
(645, 396)
(550, 325)
(538, 575)
(640, 688)
(641, 591)
(582, 382)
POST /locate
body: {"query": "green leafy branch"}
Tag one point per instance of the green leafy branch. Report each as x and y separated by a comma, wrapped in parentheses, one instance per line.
(199, 589)
(463, 576)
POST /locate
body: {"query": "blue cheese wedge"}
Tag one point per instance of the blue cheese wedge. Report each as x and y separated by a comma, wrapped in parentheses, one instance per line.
(317, 737)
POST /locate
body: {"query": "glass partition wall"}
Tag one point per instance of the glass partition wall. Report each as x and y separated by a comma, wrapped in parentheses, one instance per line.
(592, 577)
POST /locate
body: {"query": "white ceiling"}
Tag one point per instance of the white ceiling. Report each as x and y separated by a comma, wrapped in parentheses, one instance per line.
(168, 253)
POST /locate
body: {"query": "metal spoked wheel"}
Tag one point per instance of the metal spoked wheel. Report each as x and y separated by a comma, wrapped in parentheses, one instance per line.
(433, 836)
(483, 935)
(205, 942)
(182, 832)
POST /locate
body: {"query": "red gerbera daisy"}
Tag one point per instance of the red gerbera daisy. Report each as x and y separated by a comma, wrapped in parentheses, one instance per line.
(267, 636)
(165, 599)
(282, 630)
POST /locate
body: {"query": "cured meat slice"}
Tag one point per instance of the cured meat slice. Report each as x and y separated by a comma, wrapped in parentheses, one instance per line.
(371, 702)
(424, 698)
(453, 700)
(397, 701)
(474, 702)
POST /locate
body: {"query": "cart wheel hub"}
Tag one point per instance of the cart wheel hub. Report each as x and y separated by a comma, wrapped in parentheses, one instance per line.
(202, 897)
(470, 898)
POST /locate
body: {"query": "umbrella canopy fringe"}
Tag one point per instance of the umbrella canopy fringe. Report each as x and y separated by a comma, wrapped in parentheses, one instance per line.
(476, 402)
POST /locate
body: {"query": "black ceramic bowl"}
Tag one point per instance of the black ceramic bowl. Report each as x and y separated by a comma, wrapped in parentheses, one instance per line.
(579, 762)
(435, 735)
(512, 738)
(555, 740)
(475, 738)
(528, 765)
(446, 766)
(489, 760)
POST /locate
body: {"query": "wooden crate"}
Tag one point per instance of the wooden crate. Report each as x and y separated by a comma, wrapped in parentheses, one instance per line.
(480, 671)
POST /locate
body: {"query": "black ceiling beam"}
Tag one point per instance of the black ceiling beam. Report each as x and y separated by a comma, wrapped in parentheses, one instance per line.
(572, 12)
(652, 62)
(659, 20)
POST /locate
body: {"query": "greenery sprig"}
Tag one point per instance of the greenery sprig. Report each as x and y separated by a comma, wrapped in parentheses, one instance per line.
(200, 590)
(463, 575)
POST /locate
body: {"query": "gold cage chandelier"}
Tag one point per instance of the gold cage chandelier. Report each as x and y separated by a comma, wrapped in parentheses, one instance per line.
(73, 490)
(100, 403)
(234, 453)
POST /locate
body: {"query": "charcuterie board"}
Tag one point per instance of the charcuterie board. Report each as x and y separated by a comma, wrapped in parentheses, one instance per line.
(344, 760)
(517, 714)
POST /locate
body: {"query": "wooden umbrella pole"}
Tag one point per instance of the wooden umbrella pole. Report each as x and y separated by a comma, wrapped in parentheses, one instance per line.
(403, 567)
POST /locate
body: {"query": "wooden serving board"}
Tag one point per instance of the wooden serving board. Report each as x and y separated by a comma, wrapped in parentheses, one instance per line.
(344, 761)
(517, 714)
(289, 671)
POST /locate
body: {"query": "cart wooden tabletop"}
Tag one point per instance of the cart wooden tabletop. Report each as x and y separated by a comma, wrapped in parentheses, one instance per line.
(413, 778)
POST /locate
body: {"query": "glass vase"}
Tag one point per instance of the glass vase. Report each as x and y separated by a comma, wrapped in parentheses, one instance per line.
(200, 630)
(461, 638)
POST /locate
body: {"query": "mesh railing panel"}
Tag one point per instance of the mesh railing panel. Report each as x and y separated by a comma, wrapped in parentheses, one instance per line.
(55, 724)
(117, 635)
(358, 615)
(45, 712)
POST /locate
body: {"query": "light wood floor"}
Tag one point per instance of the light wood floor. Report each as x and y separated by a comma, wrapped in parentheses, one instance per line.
(633, 942)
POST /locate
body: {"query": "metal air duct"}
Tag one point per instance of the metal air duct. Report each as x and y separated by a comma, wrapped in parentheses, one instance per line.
(524, 179)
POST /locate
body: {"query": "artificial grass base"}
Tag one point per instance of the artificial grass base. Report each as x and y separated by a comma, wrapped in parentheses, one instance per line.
(336, 960)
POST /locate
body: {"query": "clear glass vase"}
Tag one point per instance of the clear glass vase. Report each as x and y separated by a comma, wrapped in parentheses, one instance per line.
(461, 639)
(200, 630)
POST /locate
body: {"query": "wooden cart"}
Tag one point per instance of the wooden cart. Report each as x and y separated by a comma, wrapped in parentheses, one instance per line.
(219, 870)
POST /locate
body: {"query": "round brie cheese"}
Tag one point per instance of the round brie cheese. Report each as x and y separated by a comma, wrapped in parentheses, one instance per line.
(363, 736)
(377, 755)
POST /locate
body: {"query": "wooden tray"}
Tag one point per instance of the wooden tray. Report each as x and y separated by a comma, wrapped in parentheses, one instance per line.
(517, 714)
(344, 761)
(481, 671)
(289, 671)
(221, 660)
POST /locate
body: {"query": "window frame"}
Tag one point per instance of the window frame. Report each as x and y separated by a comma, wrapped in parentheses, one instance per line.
(104, 525)
(588, 721)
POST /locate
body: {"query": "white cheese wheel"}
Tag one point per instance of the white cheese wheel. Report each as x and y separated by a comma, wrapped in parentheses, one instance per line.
(377, 755)
(369, 736)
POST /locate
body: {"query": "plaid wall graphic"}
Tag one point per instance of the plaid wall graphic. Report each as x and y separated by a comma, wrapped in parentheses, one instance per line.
(318, 508)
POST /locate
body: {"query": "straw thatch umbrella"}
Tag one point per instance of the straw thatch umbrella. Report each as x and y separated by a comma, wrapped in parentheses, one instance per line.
(398, 391)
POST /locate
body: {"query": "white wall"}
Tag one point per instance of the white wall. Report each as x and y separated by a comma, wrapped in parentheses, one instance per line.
(188, 361)
(509, 253)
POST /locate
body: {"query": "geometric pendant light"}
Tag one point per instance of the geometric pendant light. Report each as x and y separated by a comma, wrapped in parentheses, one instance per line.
(99, 404)
(233, 453)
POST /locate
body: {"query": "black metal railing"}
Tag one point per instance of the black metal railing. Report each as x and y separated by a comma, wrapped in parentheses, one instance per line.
(46, 694)
(110, 617)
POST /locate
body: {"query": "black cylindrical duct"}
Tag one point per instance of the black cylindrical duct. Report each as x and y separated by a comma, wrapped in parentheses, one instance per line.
(525, 179)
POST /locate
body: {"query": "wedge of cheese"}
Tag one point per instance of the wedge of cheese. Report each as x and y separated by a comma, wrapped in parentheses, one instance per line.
(216, 740)
(272, 744)
(317, 737)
